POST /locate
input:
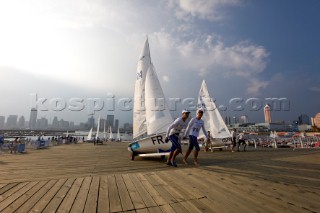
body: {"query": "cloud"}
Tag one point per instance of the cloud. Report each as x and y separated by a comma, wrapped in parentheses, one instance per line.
(202, 9)
(165, 78)
(315, 89)
(208, 55)
(255, 86)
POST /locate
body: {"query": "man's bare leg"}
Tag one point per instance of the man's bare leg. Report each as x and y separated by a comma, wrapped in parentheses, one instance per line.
(196, 153)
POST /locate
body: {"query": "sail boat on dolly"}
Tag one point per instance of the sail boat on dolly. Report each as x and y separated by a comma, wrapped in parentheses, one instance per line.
(151, 116)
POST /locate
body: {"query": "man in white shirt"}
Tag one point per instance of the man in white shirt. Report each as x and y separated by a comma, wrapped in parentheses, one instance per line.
(242, 140)
(234, 139)
(194, 127)
(173, 135)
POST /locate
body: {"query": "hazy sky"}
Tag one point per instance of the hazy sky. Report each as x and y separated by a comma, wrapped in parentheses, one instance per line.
(89, 48)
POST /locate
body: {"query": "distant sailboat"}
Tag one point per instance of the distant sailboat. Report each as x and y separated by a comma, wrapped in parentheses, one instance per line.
(104, 131)
(212, 118)
(89, 137)
(110, 134)
(118, 136)
(98, 128)
(151, 116)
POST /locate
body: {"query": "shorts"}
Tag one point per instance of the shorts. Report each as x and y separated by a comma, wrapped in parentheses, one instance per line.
(175, 142)
(193, 142)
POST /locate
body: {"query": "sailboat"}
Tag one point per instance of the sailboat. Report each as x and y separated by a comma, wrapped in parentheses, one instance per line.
(110, 134)
(104, 131)
(212, 118)
(89, 137)
(98, 140)
(118, 136)
(151, 116)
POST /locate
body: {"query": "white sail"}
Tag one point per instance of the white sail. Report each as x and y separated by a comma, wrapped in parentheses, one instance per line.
(139, 113)
(118, 136)
(211, 116)
(67, 135)
(104, 131)
(98, 128)
(158, 116)
(110, 134)
(89, 137)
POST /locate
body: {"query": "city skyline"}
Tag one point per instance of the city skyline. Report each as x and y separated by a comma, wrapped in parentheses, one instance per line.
(90, 50)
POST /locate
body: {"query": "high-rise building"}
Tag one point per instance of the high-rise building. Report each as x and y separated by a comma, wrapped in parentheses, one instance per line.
(12, 121)
(55, 123)
(42, 123)
(33, 118)
(127, 127)
(110, 121)
(226, 120)
(21, 122)
(316, 120)
(102, 121)
(244, 119)
(63, 125)
(91, 122)
(267, 114)
(235, 120)
(2, 121)
(116, 125)
(304, 119)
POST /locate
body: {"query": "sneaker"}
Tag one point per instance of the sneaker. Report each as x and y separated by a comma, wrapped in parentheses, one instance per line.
(169, 164)
(174, 163)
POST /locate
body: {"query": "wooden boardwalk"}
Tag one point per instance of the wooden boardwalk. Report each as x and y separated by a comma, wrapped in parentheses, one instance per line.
(84, 178)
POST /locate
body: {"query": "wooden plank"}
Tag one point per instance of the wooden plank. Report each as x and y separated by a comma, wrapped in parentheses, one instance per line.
(125, 199)
(67, 202)
(11, 191)
(115, 203)
(103, 199)
(160, 188)
(147, 199)
(81, 198)
(22, 199)
(135, 196)
(187, 192)
(3, 185)
(142, 210)
(92, 200)
(152, 191)
(190, 207)
(57, 199)
(43, 202)
(16, 195)
(178, 208)
(36, 197)
(7, 187)
(154, 209)
(167, 209)
(202, 206)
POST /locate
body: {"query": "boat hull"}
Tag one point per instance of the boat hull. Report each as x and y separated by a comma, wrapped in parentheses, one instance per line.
(152, 144)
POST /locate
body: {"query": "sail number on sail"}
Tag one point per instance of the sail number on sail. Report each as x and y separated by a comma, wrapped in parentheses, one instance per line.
(139, 75)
